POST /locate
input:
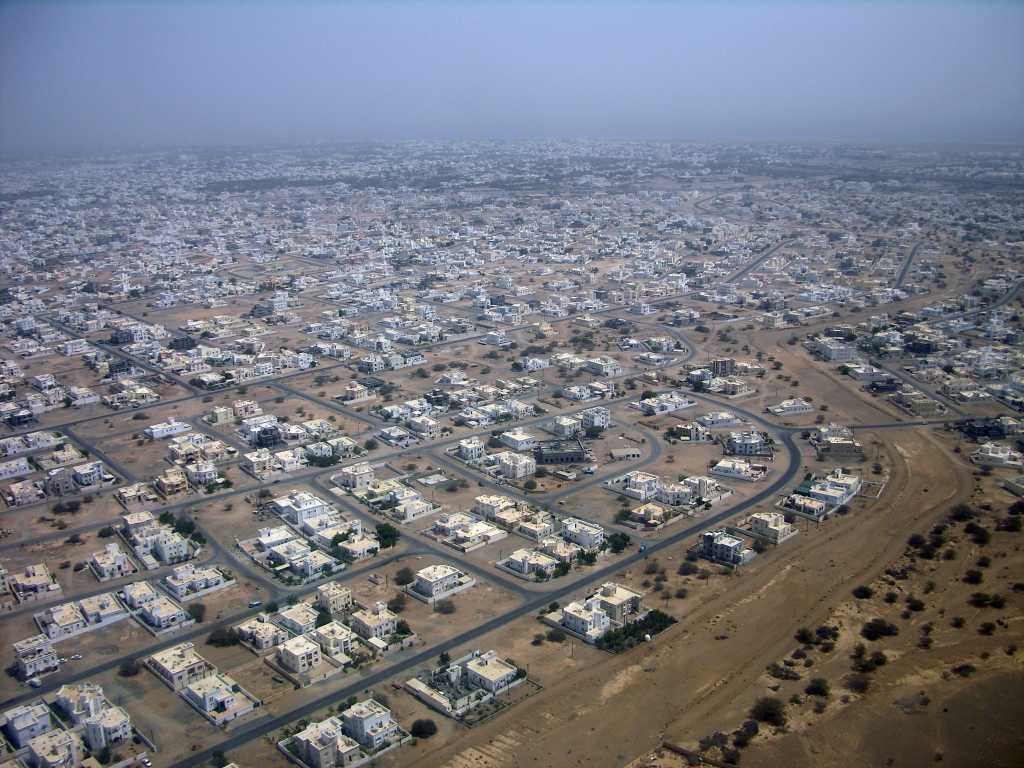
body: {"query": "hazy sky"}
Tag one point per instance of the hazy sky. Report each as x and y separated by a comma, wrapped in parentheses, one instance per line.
(130, 74)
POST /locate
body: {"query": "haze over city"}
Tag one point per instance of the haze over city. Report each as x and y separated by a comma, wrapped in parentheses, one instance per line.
(123, 75)
(489, 385)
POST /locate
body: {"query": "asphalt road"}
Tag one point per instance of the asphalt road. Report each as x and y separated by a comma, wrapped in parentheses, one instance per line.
(248, 731)
(902, 276)
(532, 599)
(757, 262)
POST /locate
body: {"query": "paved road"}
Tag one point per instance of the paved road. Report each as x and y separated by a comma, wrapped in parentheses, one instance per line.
(906, 378)
(532, 599)
(246, 732)
(765, 255)
(194, 633)
(425, 544)
(902, 276)
(90, 446)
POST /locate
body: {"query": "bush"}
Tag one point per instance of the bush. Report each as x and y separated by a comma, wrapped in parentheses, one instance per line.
(197, 611)
(397, 603)
(223, 637)
(857, 683)
(780, 672)
(686, 568)
(129, 668)
(961, 513)
(556, 635)
(1009, 524)
(530, 485)
(423, 729)
(863, 592)
(769, 710)
(973, 577)
(628, 635)
(404, 576)
(878, 628)
(617, 542)
(387, 535)
(446, 607)
(818, 687)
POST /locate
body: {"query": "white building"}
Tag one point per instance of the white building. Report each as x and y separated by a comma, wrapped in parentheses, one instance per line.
(471, 449)
(791, 407)
(586, 618)
(300, 506)
(164, 613)
(598, 417)
(325, 745)
(111, 562)
(376, 622)
(167, 429)
(436, 582)
(518, 440)
(997, 455)
(516, 466)
(26, 722)
(299, 654)
(772, 526)
(738, 469)
(489, 672)
(369, 722)
(189, 580)
(356, 477)
(589, 536)
(35, 656)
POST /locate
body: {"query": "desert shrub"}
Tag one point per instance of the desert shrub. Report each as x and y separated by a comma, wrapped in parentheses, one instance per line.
(769, 709)
(819, 686)
(878, 628)
(857, 683)
(423, 729)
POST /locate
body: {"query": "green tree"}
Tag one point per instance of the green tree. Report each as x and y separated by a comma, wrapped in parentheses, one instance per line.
(387, 535)
(423, 729)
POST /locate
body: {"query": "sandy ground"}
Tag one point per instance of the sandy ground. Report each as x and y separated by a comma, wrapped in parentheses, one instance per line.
(689, 683)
